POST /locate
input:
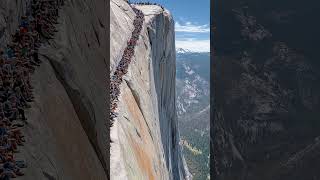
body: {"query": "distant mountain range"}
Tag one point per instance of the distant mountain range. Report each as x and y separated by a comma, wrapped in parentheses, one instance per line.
(181, 51)
(192, 94)
(187, 51)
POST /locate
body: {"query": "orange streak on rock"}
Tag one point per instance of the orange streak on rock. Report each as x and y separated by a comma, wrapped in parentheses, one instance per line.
(144, 149)
(143, 159)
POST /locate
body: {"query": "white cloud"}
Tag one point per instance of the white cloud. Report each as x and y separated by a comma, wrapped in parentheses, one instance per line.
(192, 44)
(192, 28)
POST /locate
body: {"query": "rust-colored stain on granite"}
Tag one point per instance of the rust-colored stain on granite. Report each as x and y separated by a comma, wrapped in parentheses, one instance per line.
(143, 159)
(143, 149)
(137, 117)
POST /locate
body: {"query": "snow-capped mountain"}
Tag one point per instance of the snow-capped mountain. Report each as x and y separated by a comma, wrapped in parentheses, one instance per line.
(181, 51)
(187, 51)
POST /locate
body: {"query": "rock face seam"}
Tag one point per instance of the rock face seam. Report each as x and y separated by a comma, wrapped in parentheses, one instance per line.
(57, 144)
(123, 65)
(144, 135)
(19, 62)
(82, 111)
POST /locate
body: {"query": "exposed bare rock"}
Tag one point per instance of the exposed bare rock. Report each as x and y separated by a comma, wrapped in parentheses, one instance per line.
(67, 134)
(145, 138)
(266, 92)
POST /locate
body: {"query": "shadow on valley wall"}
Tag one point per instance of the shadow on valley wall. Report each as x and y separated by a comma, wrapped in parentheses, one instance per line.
(266, 87)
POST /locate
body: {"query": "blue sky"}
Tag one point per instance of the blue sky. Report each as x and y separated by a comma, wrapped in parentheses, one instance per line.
(192, 22)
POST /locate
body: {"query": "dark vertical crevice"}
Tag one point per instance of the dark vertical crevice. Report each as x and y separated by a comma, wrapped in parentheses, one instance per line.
(84, 110)
(96, 34)
(48, 176)
(136, 98)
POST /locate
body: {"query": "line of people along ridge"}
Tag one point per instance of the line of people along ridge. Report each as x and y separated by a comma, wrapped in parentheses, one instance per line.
(18, 60)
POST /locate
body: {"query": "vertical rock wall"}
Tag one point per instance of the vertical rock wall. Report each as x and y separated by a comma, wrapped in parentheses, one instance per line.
(266, 90)
(66, 134)
(145, 134)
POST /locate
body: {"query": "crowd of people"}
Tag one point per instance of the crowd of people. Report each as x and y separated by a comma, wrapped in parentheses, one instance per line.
(123, 65)
(18, 60)
(148, 3)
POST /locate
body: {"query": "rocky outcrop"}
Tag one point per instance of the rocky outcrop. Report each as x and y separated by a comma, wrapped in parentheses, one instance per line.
(67, 131)
(266, 85)
(145, 138)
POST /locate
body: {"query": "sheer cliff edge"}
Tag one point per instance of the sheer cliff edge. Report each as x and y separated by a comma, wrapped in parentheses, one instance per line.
(145, 137)
(66, 135)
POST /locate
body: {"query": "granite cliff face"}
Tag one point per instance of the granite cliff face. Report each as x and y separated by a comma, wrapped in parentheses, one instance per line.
(66, 135)
(266, 85)
(67, 131)
(145, 138)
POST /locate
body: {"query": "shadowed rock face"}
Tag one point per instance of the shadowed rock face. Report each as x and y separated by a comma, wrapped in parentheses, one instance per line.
(67, 134)
(145, 138)
(266, 84)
